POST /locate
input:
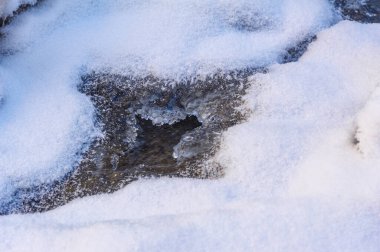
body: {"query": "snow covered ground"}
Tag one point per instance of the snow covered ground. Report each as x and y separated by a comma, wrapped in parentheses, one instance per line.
(7, 7)
(51, 46)
(302, 174)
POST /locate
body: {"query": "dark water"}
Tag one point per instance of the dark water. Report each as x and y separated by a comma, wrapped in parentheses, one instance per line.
(151, 128)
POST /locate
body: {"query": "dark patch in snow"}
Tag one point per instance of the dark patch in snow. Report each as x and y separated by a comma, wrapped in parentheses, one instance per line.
(294, 53)
(152, 127)
(22, 8)
(364, 11)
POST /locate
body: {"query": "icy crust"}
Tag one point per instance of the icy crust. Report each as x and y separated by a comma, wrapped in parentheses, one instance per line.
(151, 128)
(296, 180)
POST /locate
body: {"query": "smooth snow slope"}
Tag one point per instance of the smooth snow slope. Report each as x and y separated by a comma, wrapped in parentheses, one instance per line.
(295, 180)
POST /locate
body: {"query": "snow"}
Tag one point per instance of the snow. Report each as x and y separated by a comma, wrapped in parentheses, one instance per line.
(296, 180)
(306, 114)
(46, 122)
(171, 37)
(368, 133)
(7, 7)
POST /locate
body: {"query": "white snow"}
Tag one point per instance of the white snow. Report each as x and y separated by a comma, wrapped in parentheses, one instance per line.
(44, 119)
(7, 7)
(368, 130)
(170, 37)
(295, 179)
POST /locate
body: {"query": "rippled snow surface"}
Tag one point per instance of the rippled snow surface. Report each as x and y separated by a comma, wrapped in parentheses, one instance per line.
(302, 174)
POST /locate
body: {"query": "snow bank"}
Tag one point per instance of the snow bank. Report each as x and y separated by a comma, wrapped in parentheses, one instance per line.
(174, 37)
(296, 179)
(305, 119)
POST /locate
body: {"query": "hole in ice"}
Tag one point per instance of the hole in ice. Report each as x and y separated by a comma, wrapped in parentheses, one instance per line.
(130, 110)
(151, 127)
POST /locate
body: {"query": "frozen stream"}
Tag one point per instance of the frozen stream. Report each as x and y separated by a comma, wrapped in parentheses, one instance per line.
(290, 146)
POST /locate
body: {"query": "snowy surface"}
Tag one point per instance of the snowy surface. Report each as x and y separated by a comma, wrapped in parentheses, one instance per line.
(302, 173)
(7, 7)
(46, 122)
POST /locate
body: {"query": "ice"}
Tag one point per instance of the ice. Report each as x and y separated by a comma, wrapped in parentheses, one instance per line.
(301, 174)
(296, 179)
(46, 124)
